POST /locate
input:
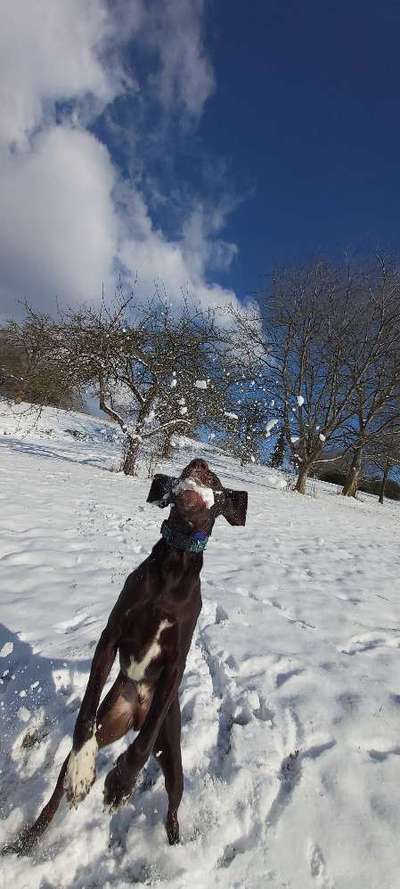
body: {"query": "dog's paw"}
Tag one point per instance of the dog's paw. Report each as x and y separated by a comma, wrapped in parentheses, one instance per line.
(81, 772)
(118, 785)
(23, 844)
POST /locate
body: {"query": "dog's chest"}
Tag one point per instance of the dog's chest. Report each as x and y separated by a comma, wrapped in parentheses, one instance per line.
(136, 669)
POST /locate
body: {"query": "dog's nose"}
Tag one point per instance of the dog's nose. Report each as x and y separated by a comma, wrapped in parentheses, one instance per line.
(199, 464)
(197, 468)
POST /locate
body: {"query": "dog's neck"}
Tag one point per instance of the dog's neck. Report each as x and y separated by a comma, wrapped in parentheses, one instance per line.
(188, 541)
(177, 573)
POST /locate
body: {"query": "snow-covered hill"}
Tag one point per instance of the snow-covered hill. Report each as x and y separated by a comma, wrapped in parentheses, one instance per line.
(291, 698)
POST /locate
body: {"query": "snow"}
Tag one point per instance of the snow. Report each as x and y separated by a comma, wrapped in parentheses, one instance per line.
(231, 415)
(189, 484)
(300, 400)
(201, 384)
(322, 437)
(270, 426)
(291, 695)
(150, 417)
(6, 649)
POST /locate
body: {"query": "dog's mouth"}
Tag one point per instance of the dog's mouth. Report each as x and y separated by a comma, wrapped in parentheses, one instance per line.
(198, 487)
(192, 492)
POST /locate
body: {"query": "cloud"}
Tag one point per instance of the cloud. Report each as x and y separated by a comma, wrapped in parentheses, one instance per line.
(60, 228)
(177, 266)
(185, 78)
(72, 223)
(201, 248)
(53, 51)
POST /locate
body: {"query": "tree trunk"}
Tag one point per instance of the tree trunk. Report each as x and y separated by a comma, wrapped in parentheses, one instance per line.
(131, 456)
(352, 482)
(383, 485)
(166, 447)
(302, 477)
(278, 455)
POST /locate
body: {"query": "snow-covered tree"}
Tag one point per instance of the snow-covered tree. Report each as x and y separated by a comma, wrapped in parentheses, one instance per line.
(149, 369)
(247, 420)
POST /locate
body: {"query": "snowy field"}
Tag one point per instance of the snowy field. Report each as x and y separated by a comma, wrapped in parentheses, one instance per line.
(291, 697)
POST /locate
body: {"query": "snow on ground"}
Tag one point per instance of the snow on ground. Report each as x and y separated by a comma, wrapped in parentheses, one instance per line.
(291, 696)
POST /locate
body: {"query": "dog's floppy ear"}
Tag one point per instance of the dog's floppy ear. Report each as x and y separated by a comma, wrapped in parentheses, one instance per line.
(161, 490)
(234, 506)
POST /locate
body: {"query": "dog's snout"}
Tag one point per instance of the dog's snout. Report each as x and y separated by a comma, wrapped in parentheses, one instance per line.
(199, 471)
(199, 464)
(196, 467)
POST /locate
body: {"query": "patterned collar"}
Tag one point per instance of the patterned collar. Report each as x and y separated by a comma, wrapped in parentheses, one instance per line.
(192, 543)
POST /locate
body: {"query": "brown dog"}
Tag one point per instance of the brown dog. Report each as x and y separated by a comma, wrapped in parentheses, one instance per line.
(151, 626)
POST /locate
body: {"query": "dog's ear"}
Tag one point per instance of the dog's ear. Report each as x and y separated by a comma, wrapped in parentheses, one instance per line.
(161, 490)
(234, 506)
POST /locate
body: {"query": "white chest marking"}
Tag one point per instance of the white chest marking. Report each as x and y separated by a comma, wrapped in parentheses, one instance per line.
(137, 669)
(81, 771)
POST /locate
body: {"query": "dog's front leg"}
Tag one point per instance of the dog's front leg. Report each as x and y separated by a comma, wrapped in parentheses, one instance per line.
(120, 782)
(81, 767)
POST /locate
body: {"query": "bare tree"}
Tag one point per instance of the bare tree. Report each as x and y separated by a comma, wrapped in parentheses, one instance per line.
(150, 373)
(320, 335)
(155, 370)
(246, 421)
(278, 454)
(304, 317)
(383, 452)
(373, 365)
(30, 369)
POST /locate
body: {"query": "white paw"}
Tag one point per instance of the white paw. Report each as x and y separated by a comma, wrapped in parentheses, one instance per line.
(81, 772)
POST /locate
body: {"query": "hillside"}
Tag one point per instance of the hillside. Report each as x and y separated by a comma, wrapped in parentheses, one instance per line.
(291, 696)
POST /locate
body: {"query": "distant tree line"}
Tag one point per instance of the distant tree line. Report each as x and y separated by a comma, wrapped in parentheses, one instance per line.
(310, 376)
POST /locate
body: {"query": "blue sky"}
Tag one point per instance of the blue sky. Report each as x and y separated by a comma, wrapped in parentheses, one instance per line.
(306, 114)
(193, 143)
(307, 111)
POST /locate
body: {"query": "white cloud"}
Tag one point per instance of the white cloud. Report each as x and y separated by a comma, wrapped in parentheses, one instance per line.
(52, 50)
(202, 249)
(69, 221)
(186, 76)
(59, 232)
(178, 266)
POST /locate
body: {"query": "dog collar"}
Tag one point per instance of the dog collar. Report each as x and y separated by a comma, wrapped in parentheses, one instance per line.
(193, 543)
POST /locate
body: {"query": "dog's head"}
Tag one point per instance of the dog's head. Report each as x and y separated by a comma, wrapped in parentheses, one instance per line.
(198, 497)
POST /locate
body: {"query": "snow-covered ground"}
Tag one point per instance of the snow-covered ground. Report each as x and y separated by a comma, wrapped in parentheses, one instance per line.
(291, 697)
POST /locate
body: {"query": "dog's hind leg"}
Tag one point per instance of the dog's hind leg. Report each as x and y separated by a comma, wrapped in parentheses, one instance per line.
(115, 717)
(167, 751)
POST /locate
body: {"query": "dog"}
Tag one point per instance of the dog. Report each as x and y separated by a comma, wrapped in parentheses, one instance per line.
(151, 627)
